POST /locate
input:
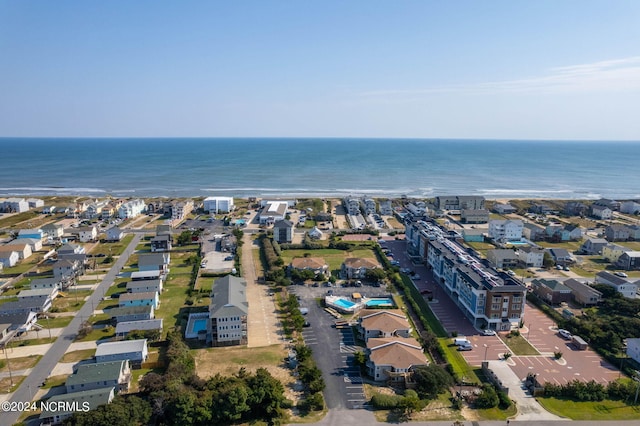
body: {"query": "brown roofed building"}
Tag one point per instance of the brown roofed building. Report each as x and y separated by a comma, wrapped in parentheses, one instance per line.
(395, 360)
(315, 264)
(356, 267)
(383, 324)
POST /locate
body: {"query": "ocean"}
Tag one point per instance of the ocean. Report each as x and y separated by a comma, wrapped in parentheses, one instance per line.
(188, 167)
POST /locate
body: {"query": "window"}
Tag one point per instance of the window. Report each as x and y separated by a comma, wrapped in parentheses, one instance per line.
(505, 300)
(495, 306)
(516, 306)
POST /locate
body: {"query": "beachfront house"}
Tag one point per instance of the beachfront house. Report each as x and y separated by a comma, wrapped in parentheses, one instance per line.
(218, 204)
(110, 374)
(504, 208)
(630, 207)
(15, 205)
(272, 212)
(228, 311)
(385, 208)
(133, 350)
(601, 212)
(356, 267)
(180, 210)
(131, 209)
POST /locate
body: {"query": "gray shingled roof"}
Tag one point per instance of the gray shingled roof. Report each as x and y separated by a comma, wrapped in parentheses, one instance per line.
(126, 346)
(90, 373)
(228, 296)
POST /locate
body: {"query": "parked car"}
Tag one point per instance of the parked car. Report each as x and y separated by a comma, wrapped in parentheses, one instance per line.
(465, 347)
(620, 274)
(565, 334)
(488, 332)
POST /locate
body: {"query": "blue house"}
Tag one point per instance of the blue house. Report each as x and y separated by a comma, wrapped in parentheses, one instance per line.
(36, 234)
(150, 298)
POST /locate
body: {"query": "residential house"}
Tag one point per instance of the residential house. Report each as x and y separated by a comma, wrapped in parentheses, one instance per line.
(352, 205)
(26, 305)
(593, 246)
(605, 202)
(533, 232)
(149, 298)
(126, 327)
(486, 299)
(39, 293)
(356, 267)
(43, 283)
(283, 231)
(617, 232)
(551, 291)
(560, 256)
(163, 230)
(8, 257)
(34, 244)
(87, 234)
(542, 209)
(629, 260)
(94, 210)
(630, 207)
(154, 262)
(135, 351)
(35, 234)
(633, 349)
(394, 360)
(417, 211)
(114, 234)
(502, 258)
(131, 209)
(218, 204)
(110, 374)
(505, 230)
(383, 323)
(67, 268)
(385, 207)
(35, 203)
(70, 249)
(147, 275)
(21, 322)
(612, 252)
(315, 264)
(369, 206)
(109, 210)
(504, 208)
(180, 210)
(273, 212)
(23, 249)
(161, 243)
(583, 293)
(144, 286)
(15, 205)
(575, 208)
(622, 286)
(601, 212)
(474, 216)
(474, 235)
(459, 202)
(634, 232)
(53, 230)
(315, 233)
(131, 313)
(530, 256)
(228, 311)
(60, 407)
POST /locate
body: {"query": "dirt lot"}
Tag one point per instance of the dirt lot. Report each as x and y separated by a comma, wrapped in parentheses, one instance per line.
(227, 361)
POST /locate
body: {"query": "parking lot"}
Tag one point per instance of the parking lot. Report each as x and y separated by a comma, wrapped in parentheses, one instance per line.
(333, 348)
(539, 330)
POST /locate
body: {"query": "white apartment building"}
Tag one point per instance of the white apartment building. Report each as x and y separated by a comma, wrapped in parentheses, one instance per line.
(505, 230)
(218, 204)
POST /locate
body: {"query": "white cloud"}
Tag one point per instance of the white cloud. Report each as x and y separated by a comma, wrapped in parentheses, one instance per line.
(603, 76)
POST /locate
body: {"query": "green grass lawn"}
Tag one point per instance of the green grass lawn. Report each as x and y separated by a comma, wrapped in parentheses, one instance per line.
(32, 342)
(460, 366)
(591, 410)
(333, 257)
(518, 345)
(115, 248)
(571, 246)
(99, 334)
(58, 322)
(80, 355)
(8, 222)
(23, 265)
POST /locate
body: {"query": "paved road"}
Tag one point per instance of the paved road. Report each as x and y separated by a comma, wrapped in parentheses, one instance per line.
(46, 365)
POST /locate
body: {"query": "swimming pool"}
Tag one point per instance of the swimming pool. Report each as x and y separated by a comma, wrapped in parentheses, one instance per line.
(199, 325)
(240, 222)
(344, 303)
(376, 303)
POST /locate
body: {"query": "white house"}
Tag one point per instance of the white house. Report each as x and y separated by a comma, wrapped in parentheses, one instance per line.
(622, 286)
(272, 212)
(218, 204)
(114, 234)
(15, 205)
(228, 311)
(630, 207)
(53, 230)
(531, 257)
(131, 209)
(34, 203)
(87, 234)
(601, 212)
(8, 257)
(135, 351)
(505, 230)
(23, 248)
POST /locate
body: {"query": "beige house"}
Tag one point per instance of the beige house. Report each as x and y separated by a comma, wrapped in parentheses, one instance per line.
(356, 268)
(22, 248)
(315, 264)
(393, 360)
(383, 323)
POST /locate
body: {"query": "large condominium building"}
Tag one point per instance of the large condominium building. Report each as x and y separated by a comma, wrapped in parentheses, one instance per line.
(218, 204)
(486, 299)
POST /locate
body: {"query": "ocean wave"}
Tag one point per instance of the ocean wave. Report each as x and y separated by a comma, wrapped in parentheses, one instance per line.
(51, 189)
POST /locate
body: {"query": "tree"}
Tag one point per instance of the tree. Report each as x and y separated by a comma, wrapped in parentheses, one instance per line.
(410, 403)
(431, 380)
(547, 260)
(376, 274)
(488, 398)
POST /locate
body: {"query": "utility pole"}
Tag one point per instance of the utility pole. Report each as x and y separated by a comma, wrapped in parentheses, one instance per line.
(6, 355)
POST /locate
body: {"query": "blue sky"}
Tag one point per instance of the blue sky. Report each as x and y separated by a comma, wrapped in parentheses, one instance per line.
(425, 69)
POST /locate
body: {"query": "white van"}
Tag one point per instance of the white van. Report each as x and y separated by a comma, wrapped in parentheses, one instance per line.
(565, 334)
(461, 341)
